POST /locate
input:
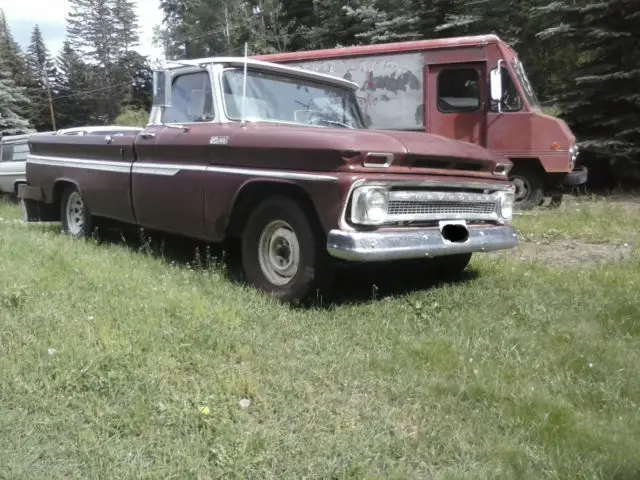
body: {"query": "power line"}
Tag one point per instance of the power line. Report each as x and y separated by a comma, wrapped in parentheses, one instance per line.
(87, 92)
(175, 40)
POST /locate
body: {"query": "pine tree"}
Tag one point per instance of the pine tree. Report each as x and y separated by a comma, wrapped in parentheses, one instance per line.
(106, 30)
(264, 27)
(73, 77)
(334, 24)
(11, 96)
(41, 74)
(13, 59)
(601, 103)
(405, 20)
(12, 53)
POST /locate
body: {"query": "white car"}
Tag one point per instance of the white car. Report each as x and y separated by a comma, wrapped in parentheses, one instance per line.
(13, 155)
(15, 148)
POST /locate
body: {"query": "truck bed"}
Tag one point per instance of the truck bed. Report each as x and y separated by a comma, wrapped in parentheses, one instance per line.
(98, 165)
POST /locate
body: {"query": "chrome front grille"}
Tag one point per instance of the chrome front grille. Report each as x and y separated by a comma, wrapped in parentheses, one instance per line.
(419, 205)
(403, 207)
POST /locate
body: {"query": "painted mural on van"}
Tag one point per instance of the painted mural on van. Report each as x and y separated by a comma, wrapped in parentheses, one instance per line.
(391, 92)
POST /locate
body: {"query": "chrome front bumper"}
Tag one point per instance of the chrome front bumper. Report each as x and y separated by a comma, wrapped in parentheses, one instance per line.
(399, 245)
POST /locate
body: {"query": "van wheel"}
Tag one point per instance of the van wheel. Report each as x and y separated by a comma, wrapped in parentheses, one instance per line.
(76, 219)
(529, 187)
(282, 252)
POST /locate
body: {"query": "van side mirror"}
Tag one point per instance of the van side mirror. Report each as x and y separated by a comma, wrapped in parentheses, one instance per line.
(495, 80)
(161, 88)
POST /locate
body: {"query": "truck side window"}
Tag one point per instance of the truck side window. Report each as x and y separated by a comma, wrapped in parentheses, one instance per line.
(458, 90)
(7, 153)
(191, 99)
(20, 152)
(511, 100)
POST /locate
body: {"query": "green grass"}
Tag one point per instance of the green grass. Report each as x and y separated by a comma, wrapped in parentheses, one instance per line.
(525, 371)
(591, 220)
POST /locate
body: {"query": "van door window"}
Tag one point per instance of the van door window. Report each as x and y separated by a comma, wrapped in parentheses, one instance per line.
(458, 90)
(511, 100)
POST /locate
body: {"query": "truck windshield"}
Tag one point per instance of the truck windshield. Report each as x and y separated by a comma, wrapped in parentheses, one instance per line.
(532, 98)
(273, 97)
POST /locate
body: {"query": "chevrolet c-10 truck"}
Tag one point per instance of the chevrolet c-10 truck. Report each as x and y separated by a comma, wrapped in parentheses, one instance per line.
(279, 159)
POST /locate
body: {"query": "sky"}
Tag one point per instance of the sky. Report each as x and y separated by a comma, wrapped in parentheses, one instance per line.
(50, 15)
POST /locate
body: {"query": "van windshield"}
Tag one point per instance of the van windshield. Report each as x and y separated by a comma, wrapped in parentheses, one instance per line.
(532, 98)
(274, 97)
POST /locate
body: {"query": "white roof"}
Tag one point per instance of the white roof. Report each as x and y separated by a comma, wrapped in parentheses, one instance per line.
(23, 136)
(269, 66)
(100, 128)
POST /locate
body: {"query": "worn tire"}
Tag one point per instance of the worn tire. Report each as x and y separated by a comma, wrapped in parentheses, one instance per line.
(556, 201)
(280, 234)
(75, 217)
(529, 187)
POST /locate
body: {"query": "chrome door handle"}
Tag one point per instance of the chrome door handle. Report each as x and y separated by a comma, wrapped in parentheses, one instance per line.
(147, 135)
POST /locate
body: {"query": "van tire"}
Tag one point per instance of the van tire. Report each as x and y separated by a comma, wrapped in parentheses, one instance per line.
(529, 187)
(283, 252)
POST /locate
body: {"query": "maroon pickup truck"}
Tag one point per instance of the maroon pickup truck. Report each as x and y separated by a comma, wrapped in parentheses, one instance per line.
(280, 159)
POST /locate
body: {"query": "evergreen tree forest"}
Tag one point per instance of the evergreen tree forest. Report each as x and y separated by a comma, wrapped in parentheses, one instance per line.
(583, 56)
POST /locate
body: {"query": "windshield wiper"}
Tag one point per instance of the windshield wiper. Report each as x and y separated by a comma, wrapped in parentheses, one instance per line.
(333, 122)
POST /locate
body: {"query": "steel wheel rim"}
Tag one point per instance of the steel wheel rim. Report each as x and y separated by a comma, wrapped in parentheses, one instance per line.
(522, 188)
(75, 213)
(279, 252)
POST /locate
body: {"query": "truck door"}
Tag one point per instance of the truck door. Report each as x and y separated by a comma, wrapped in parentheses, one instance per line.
(169, 180)
(456, 102)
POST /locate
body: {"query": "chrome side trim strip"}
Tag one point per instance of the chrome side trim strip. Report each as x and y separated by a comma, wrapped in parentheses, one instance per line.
(101, 165)
(272, 173)
(163, 169)
(171, 169)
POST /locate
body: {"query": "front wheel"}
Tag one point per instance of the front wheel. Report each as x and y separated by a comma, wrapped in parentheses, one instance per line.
(282, 251)
(529, 187)
(449, 267)
(76, 220)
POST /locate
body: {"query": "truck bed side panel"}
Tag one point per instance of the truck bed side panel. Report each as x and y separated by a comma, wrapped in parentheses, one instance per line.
(99, 166)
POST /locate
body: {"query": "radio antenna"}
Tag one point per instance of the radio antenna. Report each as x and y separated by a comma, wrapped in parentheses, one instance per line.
(244, 83)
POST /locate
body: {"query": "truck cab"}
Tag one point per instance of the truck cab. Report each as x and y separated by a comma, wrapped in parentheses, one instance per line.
(473, 89)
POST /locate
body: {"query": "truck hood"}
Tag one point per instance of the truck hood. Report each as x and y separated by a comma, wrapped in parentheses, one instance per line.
(410, 149)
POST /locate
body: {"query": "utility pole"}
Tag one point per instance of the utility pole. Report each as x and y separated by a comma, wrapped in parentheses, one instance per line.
(51, 111)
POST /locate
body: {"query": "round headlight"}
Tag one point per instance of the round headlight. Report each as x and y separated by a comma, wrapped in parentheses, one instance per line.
(369, 206)
(507, 199)
(376, 207)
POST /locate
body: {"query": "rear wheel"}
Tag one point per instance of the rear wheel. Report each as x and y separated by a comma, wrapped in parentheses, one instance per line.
(282, 250)
(76, 219)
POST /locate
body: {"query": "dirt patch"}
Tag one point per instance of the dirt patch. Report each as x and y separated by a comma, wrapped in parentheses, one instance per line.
(568, 253)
